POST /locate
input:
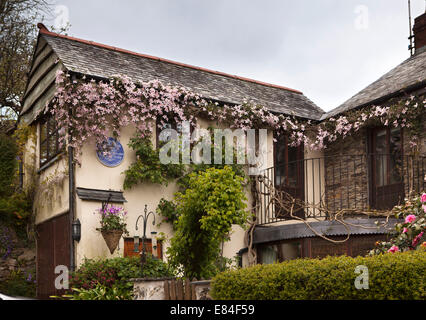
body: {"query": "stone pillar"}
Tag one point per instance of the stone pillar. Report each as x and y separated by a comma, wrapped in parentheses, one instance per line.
(148, 288)
(202, 290)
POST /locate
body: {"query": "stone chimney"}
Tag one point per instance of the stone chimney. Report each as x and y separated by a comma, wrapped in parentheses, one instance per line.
(419, 30)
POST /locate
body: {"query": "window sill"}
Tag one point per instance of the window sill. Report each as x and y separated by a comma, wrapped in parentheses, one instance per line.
(50, 162)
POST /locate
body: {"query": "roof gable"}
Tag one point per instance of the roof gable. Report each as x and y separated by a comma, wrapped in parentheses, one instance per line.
(410, 73)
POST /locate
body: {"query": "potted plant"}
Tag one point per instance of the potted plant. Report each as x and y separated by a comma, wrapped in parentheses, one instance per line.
(113, 225)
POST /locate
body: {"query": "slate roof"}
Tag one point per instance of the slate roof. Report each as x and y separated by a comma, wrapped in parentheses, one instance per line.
(410, 73)
(103, 61)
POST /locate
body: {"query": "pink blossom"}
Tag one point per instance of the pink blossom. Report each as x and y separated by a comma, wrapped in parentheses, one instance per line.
(423, 197)
(404, 230)
(393, 249)
(410, 218)
(417, 239)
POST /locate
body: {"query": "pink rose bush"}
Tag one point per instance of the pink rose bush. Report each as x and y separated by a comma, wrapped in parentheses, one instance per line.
(394, 249)
(410, 233)
(410, 218)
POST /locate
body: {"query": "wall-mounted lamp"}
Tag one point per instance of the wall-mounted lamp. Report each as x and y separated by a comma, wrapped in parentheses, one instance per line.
(154, 244)
(76, 230)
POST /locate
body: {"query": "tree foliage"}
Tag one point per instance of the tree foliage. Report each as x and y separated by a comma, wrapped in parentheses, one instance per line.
(212, 203)
(18, 34)
(8, 165)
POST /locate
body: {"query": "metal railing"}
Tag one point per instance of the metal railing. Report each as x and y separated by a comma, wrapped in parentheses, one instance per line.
(330, 184)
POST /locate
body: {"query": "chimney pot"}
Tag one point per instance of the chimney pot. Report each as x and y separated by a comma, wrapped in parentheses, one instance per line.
(419, 30)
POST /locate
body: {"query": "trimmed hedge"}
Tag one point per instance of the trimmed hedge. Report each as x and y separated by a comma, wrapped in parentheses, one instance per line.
(391, 276)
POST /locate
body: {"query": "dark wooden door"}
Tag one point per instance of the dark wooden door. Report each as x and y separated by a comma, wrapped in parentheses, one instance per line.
(289, 174)
(386, 161)
(53, 249)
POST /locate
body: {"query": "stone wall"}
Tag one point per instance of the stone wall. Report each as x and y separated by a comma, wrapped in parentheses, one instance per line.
(17, 256)
(160, 289)
(346, 173)
(347, 170)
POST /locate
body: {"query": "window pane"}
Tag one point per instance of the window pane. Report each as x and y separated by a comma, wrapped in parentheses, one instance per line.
(52, 146)
(43, 132)
(293, 166)
(395, 163)
(289, 251)
(381, 161)
(280, 160)
(51, 127)
(43, 152)
(268, 254)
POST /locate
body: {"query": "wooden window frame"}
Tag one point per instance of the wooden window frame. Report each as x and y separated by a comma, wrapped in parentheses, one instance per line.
(300, 175)
(373, 148)
(373, 186)
(51, 150)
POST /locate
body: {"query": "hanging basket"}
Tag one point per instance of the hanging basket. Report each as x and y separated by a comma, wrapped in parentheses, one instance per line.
(112, 238)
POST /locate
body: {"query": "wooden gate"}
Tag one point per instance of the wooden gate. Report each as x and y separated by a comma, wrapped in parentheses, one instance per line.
(179, 289)
(53, 249)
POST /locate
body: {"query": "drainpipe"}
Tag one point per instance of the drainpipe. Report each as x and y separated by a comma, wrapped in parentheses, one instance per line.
(71, 203)
(71, 198)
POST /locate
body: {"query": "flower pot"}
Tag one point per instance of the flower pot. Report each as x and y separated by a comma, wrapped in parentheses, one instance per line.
(112, 238)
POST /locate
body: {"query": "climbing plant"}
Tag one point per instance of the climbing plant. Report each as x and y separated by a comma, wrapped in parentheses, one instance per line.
(102, 108)
(148, 167)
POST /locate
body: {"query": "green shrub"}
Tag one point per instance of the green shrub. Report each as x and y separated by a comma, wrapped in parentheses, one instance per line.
(19, 284)
(112, 276)
(99, 292)
(8, 164)
(391, 276)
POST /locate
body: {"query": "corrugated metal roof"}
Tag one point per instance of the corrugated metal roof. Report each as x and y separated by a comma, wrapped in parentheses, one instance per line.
(264, 234)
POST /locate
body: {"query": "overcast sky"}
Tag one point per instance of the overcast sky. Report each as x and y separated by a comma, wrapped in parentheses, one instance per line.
(328, 49)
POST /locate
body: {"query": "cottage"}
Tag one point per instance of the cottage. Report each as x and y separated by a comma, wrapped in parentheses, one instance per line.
(364, 167)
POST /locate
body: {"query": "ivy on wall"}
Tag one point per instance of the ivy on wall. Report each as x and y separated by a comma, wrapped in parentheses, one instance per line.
(148, 167)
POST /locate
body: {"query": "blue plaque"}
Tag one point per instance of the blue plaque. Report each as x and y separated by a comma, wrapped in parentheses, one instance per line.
(110, 153)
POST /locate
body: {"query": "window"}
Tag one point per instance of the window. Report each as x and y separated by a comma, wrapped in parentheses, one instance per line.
(288, 163)
(129, 248)
(289, 173)
(279, 251)
(49, 140)
(386, 167)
